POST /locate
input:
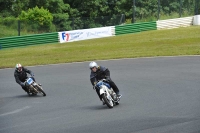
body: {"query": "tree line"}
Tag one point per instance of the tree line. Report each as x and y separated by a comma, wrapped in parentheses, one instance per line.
(58, 15)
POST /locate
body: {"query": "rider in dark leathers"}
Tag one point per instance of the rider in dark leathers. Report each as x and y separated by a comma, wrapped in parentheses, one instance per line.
(20, 75)
(98, 73)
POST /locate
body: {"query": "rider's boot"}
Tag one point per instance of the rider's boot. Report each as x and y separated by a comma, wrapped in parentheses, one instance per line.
(118, 95)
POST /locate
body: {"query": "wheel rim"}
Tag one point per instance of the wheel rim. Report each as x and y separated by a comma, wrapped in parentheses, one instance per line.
(41, 90)
(109, 100)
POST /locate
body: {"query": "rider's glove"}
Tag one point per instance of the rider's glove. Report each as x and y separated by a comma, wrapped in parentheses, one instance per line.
(108, 79)
(32, 74)
(94, 86)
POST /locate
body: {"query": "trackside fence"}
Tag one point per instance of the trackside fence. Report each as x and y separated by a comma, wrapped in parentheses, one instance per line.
(18, 41)
(84, 34)
(135, 27)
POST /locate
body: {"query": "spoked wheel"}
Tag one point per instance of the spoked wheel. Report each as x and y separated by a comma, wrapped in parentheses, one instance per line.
(107, 100)
(41, 90)
(32, 91)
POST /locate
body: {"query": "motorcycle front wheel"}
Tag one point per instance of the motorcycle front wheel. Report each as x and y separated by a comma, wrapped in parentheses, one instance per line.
(108, 101)
(41, 90)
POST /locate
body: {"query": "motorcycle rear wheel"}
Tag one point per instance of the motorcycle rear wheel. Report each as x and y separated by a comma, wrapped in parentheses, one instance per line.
(108, 102)
(117, 103)
(32, 91)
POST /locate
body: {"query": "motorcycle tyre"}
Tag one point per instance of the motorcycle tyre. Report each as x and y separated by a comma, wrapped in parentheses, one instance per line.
(116, 103)
(41, 90)
(106, 101)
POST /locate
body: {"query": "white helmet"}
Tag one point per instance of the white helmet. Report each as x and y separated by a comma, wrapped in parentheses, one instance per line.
(93, 64)
(18, 67)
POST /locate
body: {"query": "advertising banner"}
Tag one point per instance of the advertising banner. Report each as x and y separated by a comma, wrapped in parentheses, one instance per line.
(77, 35)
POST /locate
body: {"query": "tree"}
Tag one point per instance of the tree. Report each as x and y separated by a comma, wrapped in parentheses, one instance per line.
(77, 14)
(144, 8)
(40, 18)
(5, 8)
(18, 6)
(61, 12)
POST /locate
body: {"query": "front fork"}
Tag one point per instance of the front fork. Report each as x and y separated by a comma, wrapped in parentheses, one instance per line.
(32, 89)
(107, 92)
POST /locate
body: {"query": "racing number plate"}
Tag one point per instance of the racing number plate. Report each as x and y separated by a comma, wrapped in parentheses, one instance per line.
(30, 81)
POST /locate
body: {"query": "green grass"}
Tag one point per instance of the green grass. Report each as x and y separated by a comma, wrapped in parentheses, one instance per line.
(5, 31)
(8, 32)
(180, 41)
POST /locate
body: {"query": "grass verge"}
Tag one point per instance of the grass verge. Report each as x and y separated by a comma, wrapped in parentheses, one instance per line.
(9, 32)
(180, 41)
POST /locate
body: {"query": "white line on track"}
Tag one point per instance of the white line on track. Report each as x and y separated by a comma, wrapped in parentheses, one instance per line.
(15, 111)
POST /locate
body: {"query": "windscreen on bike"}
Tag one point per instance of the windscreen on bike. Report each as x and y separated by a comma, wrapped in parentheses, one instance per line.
(103, 83)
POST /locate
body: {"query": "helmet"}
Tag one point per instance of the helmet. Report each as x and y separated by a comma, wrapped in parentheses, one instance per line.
(93, 64)
(18, 67)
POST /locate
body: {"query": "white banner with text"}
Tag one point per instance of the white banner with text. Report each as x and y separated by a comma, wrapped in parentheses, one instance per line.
(77, 35)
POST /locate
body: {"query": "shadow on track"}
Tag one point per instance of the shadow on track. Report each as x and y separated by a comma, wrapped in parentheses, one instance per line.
(26, 96)
(98, 107)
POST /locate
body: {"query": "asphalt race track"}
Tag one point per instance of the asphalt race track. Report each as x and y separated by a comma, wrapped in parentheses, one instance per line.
(160, 95)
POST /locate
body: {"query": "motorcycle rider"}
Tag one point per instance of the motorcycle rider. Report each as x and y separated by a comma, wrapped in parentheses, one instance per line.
(98, 73)
(20, 75)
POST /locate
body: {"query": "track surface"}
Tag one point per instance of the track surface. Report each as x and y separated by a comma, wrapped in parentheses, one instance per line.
(160, 95)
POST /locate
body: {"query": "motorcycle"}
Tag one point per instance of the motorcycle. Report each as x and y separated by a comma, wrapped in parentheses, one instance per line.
(33, 87)
(107, 93)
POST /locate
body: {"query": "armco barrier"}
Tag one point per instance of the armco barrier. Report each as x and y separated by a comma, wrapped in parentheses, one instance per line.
(196, 20)
(113, 30)
(136, 27)
(27, 40)
(18, 41)
(174, 23)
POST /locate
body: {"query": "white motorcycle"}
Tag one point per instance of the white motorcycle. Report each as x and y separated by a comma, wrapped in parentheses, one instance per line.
(107, 93)
(33, 87)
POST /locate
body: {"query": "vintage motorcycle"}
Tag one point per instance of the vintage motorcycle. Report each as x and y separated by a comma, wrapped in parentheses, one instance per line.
(107, 93)
(33, 87)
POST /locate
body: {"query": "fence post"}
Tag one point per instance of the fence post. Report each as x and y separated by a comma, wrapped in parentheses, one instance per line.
(73, 23)
(133, 19)
(196, 7)
(158, 17)
(18, 27)
(180, 10)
